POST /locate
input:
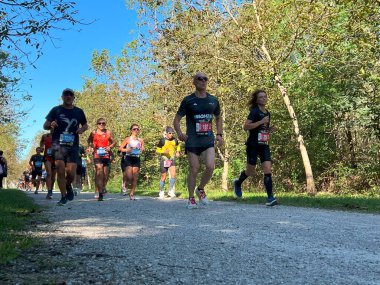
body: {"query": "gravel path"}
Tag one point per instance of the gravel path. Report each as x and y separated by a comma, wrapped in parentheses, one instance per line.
(152, 241)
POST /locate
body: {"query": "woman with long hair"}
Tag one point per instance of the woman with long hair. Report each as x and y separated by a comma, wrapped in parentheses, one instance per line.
(131, 148)
(257, 145)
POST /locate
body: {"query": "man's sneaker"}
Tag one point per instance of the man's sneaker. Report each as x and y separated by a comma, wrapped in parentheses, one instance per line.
(192, 204)
(49, 195)
(171, 194)
(271, 201)
(36, 192)
(124, 191)
(131, 197)
(100, 198)
(202, 196)
(70, 192)
(62, 202)
(237, 189)
(161, 195)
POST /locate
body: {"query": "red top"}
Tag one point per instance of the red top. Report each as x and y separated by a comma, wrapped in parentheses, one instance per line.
(48, 140)
(101, 140)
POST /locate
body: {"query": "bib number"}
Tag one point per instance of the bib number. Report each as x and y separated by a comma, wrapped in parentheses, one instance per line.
(101, 151)
(135, 152)
(203, 128)
(49, 152)
(168, 163)
(66, 139)
(263, 138)
(38, 164)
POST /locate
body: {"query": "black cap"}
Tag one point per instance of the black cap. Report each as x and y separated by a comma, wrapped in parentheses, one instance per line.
(68, 90)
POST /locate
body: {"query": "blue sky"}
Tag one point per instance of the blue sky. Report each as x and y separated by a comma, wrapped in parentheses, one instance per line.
(65, 64)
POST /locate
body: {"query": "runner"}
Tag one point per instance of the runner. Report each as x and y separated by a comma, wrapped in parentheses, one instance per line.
(78, 181)
(65, 120)
(122, 166)
(258, 125)
(199, 109)
(46, 144)
(3, 168)
(131, 148)
(43, 180)
(27, 181)
(36, 162)
(168, 147)
(101, 142)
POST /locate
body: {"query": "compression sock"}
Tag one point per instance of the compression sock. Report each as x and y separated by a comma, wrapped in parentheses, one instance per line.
(162, 185)
(268, 184)
(242, 177)
(171, 184)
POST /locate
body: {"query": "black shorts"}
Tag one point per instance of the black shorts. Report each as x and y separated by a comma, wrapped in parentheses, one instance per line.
(36, 173)
(261, 151)
(69, 154)
(164, 169)
(197, 150)
(128, 160)
(104, 161)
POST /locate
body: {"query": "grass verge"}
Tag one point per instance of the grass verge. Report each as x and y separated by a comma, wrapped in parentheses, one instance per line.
(17, 214)
(342, 202)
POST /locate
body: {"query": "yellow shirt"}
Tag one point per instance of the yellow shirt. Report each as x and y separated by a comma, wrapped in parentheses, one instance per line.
(165, 144)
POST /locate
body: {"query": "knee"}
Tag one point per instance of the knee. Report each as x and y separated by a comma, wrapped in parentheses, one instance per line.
(210, 167)
(194, 169)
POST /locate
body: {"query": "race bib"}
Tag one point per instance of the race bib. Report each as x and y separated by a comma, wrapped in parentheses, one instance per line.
(203, 128)
(135, 151)
(101, 151)
(168, 163)
(66, 139)
(263, 138)
(49, 152)
(38, 164)
(84, 163)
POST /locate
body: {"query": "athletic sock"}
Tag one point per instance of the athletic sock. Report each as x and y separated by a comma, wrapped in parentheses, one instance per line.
(171, 183)
(242, 177)
(162, 185)
(268, 184)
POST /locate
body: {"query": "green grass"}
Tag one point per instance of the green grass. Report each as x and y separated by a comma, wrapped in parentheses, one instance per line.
(344, 202)
(17, 213)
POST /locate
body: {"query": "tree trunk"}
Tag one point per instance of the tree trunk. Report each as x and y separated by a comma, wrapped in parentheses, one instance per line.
(310, 185)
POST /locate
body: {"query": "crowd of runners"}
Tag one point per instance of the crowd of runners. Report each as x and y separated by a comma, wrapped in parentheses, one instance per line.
(65, 161)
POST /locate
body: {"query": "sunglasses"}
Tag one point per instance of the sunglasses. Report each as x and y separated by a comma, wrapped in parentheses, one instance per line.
(68, 94)
(200, 78)
(135, 129)
(102, 123)
(170, 133)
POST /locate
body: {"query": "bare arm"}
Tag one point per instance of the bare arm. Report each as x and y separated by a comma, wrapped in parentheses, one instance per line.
(123, 144)
(177, 127)
(112, 141)
(249, 125)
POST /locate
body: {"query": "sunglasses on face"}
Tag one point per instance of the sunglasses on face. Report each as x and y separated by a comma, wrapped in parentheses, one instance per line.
(201, 78)
(135, 129)
(102, 123)
(68, 94)
(170, 133)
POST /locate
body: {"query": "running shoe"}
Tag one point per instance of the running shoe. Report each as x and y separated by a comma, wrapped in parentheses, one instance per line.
(75, 190)
(70, 192)
(192, 204)
(131, 197)
(124, 191)
(272, 201)
(100, 198)
(62, 202)
(36, 192)
(49, 195)
(161, 195)
(237, 189)
(202, 196)
(171, 194)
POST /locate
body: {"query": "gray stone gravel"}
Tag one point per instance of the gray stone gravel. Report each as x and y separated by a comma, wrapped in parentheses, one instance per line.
(152, 241)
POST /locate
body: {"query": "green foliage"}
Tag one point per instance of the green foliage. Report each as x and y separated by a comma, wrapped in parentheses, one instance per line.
(17, 211)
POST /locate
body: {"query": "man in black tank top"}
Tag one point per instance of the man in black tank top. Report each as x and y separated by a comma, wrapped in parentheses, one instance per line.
(199, 109)
(67, 122)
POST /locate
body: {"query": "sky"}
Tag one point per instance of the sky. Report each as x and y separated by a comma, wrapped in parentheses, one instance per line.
(64, 64)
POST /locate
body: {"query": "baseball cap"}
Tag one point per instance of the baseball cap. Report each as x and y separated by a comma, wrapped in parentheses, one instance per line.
(169, 130)
(68, 90)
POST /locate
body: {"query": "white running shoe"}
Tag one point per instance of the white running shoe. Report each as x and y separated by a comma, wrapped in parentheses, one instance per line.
(171, 194)
(161, 195)
(202, 196)
(192, 204)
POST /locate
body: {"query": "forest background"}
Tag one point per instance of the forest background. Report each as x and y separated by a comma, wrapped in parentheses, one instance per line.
(318, 60)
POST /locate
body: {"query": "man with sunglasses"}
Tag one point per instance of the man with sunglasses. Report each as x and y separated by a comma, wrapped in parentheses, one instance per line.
(67, 122)
(199, 109)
